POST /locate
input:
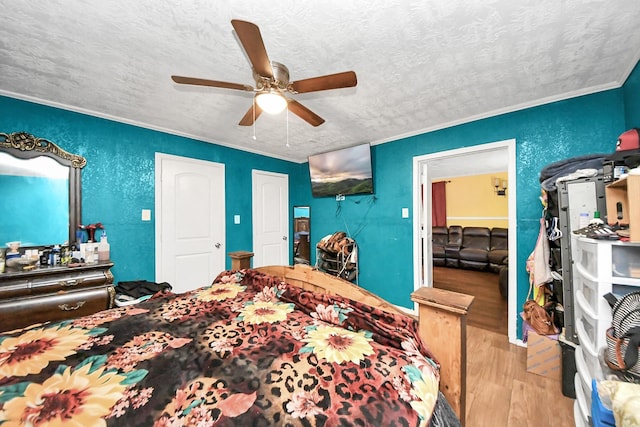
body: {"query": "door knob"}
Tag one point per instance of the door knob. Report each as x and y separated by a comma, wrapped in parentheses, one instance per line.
(217, 245)
(284, 237)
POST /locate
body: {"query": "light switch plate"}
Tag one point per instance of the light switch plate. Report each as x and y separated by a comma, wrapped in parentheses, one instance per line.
(146, 214)
(405, 212)
(236, 219)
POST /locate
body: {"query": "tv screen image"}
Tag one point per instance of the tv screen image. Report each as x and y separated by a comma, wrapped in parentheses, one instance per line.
(346, 171)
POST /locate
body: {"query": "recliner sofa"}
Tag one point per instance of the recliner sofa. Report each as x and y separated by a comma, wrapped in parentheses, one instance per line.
(499, 250)
(474, 253)
(440, 239)
(478, 248)
(452, 248)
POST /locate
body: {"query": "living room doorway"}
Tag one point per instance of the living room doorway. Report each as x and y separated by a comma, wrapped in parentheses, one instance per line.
(476, 160)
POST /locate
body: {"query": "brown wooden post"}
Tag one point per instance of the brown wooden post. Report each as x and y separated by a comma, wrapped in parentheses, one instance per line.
(443, 328)
(240, 260)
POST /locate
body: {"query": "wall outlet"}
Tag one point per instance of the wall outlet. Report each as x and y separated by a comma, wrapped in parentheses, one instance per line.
(405, 212)
(236, 219)
(146, 214)
(339, 197)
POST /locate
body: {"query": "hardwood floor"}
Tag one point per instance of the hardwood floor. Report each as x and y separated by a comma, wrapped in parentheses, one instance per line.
(489, 310)
(500, 391)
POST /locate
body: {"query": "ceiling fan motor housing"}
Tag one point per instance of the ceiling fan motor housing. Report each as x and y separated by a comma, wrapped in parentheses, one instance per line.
(280, 79)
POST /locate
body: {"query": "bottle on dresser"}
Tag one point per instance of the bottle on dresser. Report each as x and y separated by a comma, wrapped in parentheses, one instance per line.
(103, 248)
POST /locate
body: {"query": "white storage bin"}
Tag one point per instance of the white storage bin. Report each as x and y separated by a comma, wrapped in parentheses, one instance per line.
(591, 329)
(588, 366)
(577, 416)
(584, 391)
(586, 255)
(592, 291)
(599, 267)
(584, 409)
(625, 261)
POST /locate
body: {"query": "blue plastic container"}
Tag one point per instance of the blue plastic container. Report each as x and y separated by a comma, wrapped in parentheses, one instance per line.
(600, 415)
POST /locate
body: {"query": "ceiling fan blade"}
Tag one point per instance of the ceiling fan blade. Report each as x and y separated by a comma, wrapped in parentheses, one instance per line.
(214, 83)
(304, 113)
(249, 116)
(330, 81)
(249, 35)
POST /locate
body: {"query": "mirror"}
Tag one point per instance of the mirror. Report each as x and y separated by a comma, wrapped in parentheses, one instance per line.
(41, 188)
(301, 233)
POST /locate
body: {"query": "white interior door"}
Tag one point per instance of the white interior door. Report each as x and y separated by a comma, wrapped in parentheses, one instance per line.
(270, 218)
(190, 221)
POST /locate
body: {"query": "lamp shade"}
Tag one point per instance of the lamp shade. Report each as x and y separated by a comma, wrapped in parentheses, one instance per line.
(271, 102)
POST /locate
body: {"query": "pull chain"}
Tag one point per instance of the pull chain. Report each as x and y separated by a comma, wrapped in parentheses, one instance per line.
(287, 125)
(253, 108)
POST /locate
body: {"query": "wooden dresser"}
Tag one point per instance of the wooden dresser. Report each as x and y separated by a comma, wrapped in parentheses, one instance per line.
(54, 293)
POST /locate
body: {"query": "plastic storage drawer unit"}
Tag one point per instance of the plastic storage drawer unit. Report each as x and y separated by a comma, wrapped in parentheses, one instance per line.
(592, 291)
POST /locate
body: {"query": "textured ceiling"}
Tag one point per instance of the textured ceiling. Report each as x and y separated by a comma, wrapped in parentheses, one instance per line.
(421, 65)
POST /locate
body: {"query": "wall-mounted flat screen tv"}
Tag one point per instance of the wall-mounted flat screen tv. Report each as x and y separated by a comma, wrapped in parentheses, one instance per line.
(346, 171)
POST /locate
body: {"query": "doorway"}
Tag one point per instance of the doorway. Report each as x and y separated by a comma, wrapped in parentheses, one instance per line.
(270, 200)
(190, 221)
(301, 235)
(475, 160)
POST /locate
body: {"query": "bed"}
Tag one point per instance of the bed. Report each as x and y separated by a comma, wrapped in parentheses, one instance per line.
(267, 346)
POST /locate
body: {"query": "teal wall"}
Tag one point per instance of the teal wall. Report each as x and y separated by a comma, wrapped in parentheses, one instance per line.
(118, 181)
(583, 125)
(632, 99)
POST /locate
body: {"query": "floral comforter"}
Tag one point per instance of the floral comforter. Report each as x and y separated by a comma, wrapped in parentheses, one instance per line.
(248, 350)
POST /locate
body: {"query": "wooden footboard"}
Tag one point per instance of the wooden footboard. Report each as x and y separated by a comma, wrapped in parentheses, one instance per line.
(441, 316)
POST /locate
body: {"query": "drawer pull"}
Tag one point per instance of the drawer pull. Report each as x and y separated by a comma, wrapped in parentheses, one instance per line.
(70, 282)
(65, 307)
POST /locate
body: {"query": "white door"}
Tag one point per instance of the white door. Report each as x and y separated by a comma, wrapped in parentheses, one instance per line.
(190, 221)
(270, 218)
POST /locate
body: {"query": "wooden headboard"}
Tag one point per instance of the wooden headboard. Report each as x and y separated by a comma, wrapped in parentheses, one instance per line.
(441, 316)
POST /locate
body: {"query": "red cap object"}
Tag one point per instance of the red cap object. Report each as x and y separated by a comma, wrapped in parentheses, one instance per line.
(628, 145)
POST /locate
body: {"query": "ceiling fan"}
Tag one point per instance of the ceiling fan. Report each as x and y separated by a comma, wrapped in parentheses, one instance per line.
(272, 80)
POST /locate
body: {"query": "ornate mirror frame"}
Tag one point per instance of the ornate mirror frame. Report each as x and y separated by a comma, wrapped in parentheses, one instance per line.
(23, 145)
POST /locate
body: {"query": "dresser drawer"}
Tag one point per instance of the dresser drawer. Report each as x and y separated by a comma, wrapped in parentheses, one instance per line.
(42, 281)
(14, 288)
(50, 284)
(21, 312)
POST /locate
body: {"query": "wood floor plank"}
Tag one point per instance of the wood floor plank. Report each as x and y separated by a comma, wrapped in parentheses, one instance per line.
(489, 310)
(536, 406)
(490, 407)
(500, 391)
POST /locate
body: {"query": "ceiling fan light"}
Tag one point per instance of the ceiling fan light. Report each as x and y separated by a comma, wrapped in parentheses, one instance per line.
(271, 102)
